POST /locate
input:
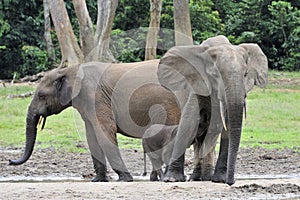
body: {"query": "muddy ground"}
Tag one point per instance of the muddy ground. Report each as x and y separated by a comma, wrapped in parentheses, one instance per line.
(261, 174)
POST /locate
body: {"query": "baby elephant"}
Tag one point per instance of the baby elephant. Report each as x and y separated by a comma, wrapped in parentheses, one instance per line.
(158, 143)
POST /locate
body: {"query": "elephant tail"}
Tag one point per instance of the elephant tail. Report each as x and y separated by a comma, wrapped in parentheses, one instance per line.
(145, 165)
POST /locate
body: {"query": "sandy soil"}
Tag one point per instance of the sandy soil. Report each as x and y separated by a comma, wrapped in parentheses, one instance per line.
(261, 174)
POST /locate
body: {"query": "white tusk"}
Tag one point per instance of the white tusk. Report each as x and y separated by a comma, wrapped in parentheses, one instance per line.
(39, 122)
(222, 115)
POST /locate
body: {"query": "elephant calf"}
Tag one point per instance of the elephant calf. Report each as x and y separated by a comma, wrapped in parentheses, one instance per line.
(158, 144)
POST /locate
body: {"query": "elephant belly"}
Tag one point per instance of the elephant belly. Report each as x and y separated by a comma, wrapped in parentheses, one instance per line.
(147, 105)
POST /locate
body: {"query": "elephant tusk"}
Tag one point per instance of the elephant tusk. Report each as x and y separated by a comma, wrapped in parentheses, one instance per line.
(40, 120)
(222, 115)
(44, 122)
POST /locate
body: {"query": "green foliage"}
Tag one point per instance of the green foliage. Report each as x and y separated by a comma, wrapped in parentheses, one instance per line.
(128, 46)
(132, 14)
(205, 21)
(273, 25)
(23, 22)
(35, 60)
(285, 28)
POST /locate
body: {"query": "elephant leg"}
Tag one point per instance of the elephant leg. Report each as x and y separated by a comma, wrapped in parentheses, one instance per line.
(207, 166)
(156, 161)
(221, 166)
(97, 154)
(100, 170)
(187, 131)
(106, 130)
(197, 172)
(114, 158)
(203, 167)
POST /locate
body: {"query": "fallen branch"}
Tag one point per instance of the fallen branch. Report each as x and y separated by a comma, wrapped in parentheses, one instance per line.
(25, 95)
(33, 78)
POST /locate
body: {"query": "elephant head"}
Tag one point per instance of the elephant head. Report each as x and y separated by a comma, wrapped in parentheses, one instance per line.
(223, 71)
(53, 94)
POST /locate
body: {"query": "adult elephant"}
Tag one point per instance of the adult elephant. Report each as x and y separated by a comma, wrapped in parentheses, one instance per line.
(111, 98)
(225, 73)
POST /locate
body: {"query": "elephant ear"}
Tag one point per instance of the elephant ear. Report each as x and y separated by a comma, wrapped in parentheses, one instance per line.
(257, 66)
(184, 68)
(69, 83)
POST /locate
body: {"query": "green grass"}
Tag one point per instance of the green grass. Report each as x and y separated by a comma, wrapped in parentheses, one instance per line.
(276, 74)
(273, 120)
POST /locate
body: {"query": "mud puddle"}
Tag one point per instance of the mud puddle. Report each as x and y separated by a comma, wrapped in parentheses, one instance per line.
(66, 178)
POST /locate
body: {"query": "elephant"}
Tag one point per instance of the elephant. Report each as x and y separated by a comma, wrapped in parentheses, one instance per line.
(158, 144)
(111, 98)
(225, 73)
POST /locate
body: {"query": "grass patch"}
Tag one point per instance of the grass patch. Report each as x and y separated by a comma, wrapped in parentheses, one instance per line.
(273, 119)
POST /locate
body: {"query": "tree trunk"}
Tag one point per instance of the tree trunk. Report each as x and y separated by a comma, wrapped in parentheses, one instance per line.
(86, 26)
(106, 14)
(182, 23)
(151, 43)
(70, 50)
(47, 33)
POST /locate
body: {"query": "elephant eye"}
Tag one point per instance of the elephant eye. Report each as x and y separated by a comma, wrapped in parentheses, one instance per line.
(246, 73)
(42, 97)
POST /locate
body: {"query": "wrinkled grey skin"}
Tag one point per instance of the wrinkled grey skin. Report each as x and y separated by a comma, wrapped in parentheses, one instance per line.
(225, 73)
(111, 98)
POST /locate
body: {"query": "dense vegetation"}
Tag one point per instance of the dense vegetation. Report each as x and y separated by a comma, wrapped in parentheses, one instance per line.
(274, 25)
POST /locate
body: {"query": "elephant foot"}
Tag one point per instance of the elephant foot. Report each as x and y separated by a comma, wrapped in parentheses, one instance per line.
(153, 176)
(173, 176)
(124, 176)
(200, 174)
(100, 179)
(222, 179)
(218, 178)
(196, 175)
(101, 171)
(230, 180)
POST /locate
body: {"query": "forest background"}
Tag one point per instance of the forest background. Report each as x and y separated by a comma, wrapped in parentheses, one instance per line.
(274, 25)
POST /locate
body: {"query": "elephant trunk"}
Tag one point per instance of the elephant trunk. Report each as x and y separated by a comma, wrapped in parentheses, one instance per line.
(235, 120)
(31, 130)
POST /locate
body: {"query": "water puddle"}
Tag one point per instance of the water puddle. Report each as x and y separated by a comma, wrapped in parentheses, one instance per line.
(135, 178)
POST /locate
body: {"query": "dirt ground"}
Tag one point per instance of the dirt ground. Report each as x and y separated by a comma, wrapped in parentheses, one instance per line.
(261, 174)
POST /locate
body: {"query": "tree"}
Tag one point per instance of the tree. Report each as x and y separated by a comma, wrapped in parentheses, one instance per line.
(151, 43)
(70, 50)
(47, 33)
(94, 45)
(182, 23)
